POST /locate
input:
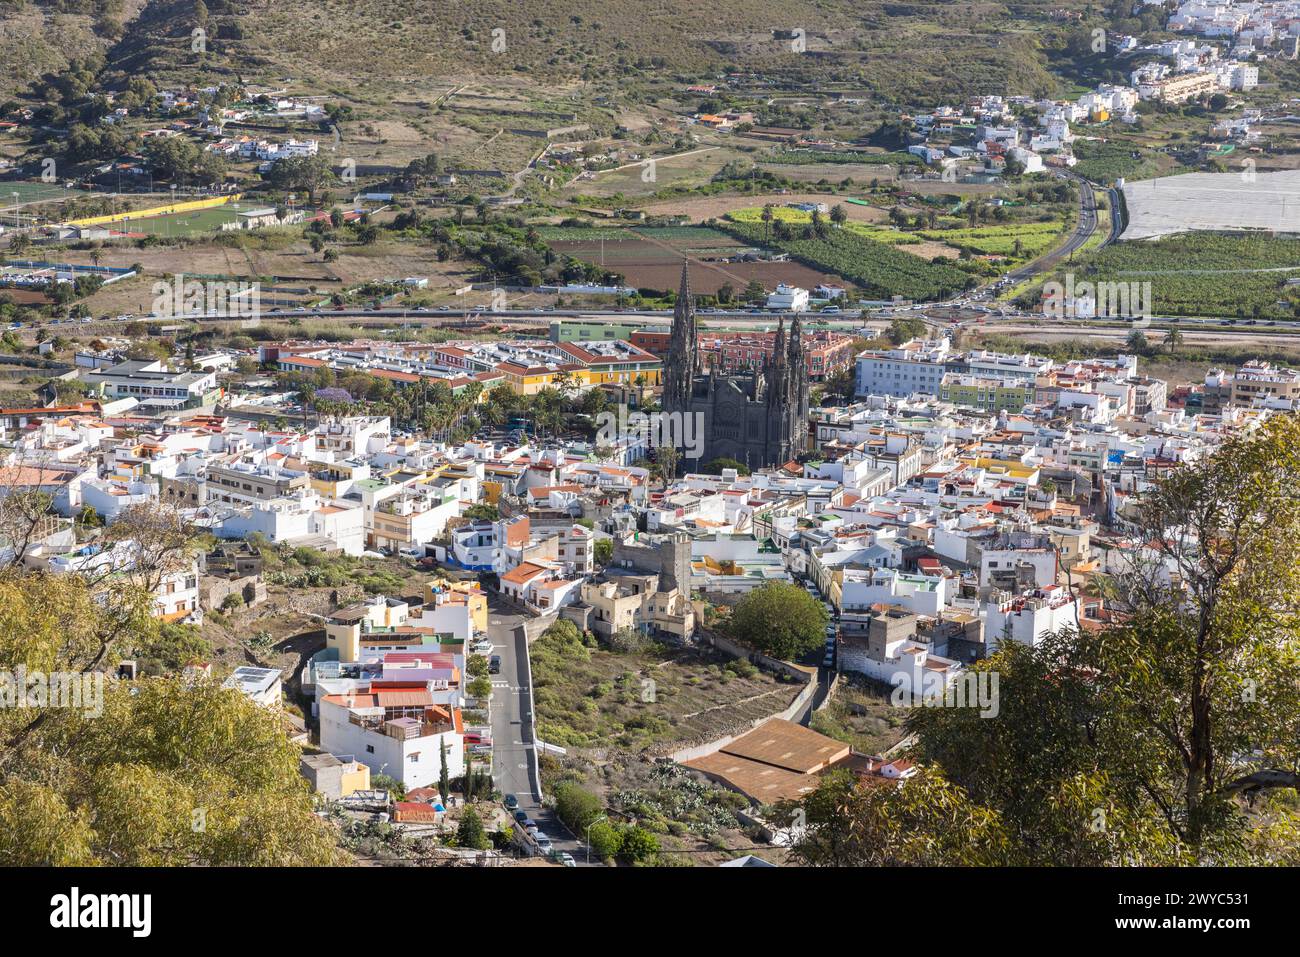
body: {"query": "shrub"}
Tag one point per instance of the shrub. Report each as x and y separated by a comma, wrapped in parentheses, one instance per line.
(576, 806)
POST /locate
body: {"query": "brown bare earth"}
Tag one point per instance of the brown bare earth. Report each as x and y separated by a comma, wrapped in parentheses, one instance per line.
(656, 265)
(715, 207)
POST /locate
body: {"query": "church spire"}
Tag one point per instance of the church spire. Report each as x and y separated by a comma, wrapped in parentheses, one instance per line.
(683, 359)
(798, 386)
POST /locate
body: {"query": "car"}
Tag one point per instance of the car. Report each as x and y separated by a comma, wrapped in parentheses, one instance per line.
(481, 748)
(512, 802)
(494, 665)
(531, 828)
(563, 857)
(828, 661)
(543, 842)
(478, 738)
(520, 816)
(480, 647)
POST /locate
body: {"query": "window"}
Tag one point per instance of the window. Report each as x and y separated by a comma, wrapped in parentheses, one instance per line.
(370, 749)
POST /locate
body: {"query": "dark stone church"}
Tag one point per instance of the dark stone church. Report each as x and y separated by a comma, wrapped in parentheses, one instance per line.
(758, 418)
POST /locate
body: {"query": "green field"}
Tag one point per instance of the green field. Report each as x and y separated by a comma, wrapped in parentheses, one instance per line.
(35, 193)
(1034, 238)
(187, 224)
(881, 270)
(1202, 274)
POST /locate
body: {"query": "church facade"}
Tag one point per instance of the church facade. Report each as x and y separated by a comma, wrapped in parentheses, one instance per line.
(759, 418)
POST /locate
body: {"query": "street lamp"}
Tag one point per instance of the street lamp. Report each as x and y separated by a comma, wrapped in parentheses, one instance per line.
(603, 817)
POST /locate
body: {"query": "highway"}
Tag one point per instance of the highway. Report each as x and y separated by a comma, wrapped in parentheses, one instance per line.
(1083, 231)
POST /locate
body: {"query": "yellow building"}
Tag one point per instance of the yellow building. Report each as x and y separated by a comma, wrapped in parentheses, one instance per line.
(530, 380)
(443, 591)
(344, 628)
(615, 362)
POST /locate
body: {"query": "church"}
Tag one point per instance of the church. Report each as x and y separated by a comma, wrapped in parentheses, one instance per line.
(759, 418)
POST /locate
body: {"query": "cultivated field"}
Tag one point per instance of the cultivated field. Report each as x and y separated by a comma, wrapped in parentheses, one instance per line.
(652, 259)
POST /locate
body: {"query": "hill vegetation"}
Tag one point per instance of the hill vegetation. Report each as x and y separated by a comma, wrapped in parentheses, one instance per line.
(900, 51)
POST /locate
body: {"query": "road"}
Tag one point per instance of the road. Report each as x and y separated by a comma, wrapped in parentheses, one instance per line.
(1084, 229)
(513, 730)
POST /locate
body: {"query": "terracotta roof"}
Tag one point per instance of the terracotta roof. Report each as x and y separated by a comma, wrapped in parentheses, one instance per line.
(523, 573)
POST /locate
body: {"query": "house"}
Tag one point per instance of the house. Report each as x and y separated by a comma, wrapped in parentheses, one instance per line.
(334, 777)
(259, 685)
(395, 730)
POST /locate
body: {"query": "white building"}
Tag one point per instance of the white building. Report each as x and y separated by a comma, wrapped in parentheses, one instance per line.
(1030, 617)
(259, 685)
(914, 367)
(788, 299)
(400, 733)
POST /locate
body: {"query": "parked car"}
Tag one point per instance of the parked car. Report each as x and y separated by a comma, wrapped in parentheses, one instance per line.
(563, 857)
(512, 802)
(543, 842)
(494, 665)
(480, 748)
(520, 816)
(530, 828)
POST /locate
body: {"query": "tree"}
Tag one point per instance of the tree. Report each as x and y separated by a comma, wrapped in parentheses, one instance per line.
(444, 780)
(638, 846)
(470, 832)
(386, 782)
(715, 466)
(482, 512)
(173, 772)
(841, 384)
(603, 551)
(605, 840)
(301, 174)
(926, 822)
(667, 457)
(903, 329)
(576, 806)
(1136, 341)
(780, 619)
(1173, 339)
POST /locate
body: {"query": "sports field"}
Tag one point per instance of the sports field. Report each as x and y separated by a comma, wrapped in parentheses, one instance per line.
(191, 223)
(34, 193)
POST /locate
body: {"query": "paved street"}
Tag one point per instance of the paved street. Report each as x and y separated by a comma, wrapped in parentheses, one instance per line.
(512, 726)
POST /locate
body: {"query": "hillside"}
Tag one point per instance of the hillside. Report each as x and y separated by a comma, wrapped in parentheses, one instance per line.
(41, 36)
(369, 48)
